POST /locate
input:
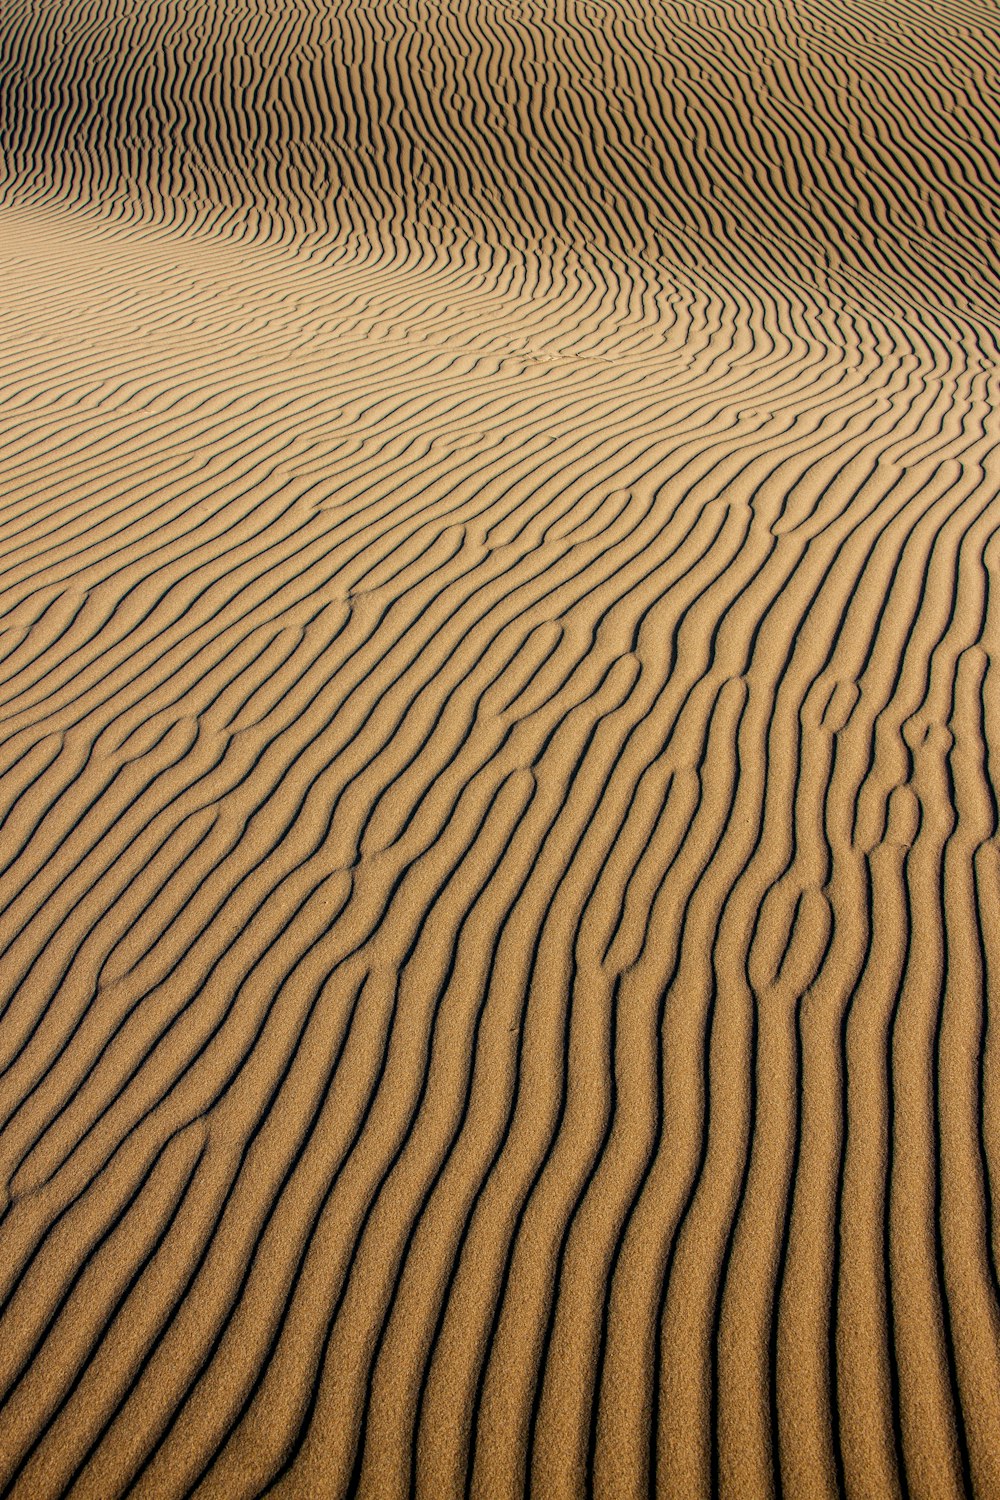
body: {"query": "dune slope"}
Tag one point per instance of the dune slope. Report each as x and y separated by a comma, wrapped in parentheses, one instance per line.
(499, 718)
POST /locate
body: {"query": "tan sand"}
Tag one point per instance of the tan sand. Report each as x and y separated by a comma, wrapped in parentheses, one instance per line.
(499, 717)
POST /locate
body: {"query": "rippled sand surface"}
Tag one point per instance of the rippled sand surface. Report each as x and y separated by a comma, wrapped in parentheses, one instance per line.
(499, 732)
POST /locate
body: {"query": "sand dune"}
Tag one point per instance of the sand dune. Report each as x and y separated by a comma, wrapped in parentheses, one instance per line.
(499, 717)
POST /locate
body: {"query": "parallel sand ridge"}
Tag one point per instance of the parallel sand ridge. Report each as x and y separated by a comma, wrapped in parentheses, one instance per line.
(499, 870)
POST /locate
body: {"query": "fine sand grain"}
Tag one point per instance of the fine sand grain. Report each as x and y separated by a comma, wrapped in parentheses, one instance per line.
(499, 718)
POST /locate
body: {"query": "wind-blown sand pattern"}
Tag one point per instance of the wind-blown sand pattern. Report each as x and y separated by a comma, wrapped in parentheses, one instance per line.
(499, 875)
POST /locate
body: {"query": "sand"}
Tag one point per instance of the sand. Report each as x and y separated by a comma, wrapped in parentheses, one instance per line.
(499, 732)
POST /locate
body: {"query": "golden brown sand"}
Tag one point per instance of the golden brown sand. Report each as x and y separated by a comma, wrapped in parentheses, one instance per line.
(499, 717)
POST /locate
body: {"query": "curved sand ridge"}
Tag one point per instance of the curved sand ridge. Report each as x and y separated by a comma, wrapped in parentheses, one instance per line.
(498, 708)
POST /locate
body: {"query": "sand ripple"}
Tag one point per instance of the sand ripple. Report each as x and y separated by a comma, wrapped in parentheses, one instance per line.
(498, 744)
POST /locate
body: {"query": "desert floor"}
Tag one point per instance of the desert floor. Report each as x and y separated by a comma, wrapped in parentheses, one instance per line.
(499, 734)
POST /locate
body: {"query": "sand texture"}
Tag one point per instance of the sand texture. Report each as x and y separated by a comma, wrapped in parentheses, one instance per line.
(499, 733)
